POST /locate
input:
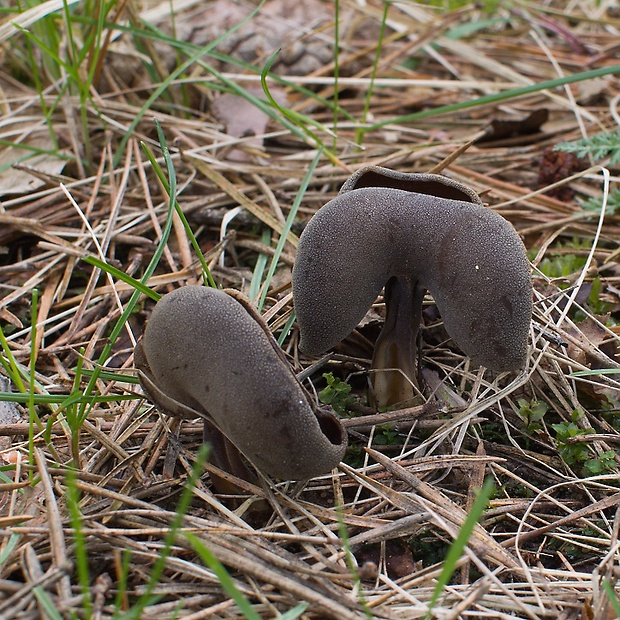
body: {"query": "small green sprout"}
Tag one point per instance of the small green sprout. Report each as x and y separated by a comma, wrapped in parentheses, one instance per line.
(532, 413)
(599, 146)
(595, 203)
(337, 393)
(603, 464)
(561, 266)
(387, 435)
(572, 453)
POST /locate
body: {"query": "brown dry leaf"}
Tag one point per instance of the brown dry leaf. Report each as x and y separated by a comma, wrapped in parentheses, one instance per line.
(591, 334)
(294, 28)
(14, 181)
(242, 119)
(506, 128)
(10, 318)
(592, 90)
(556, 166)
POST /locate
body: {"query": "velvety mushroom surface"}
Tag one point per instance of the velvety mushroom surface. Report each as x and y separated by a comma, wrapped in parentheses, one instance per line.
(435, 235)
(206, 354)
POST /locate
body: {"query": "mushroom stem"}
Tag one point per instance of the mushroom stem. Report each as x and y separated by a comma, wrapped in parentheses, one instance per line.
(394, 359)
(224, 455)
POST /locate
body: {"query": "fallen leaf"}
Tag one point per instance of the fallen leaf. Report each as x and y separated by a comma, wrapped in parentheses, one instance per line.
(500, 129)
(14, 181)
(242, 119)
(283, 25)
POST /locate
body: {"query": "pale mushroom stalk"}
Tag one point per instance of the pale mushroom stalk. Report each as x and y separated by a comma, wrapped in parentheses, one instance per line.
(206, 353)
(410, 233)
(396, 346)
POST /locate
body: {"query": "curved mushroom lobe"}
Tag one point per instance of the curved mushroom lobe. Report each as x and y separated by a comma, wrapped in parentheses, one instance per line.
(204, 350)
(431, 184)
(470, 258)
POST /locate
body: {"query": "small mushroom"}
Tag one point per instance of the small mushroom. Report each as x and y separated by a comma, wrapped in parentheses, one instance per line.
(206, 354)
(409, 233)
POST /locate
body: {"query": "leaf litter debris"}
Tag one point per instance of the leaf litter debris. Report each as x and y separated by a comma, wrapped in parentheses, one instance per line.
(548, 542)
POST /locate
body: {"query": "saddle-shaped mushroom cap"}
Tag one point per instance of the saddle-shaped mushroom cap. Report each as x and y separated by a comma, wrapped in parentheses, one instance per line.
(410, 233)
(203, 353)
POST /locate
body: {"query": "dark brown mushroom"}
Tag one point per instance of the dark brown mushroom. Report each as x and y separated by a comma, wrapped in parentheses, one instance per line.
(205, 354)
(411, 233)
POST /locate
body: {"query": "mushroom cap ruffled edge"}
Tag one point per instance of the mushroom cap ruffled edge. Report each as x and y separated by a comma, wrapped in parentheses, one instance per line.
(357, 241)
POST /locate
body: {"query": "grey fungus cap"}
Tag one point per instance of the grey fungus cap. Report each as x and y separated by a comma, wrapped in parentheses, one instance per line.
(204, 353)
(410, 233)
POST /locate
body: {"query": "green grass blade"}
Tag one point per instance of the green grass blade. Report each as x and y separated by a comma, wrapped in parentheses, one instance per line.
(81, 550)
(259, 268)
(157, 92)
(63, 399)
(593, 373)
(286, 329)
(70, 410)
(612, 596)
(460, 542)
(122, 276)
(170, 188)
(299, 120)
(131, 304)
(359, 134)
(33, 418)
(122, 587)
(293, 614)
(287, 227)
(108, 375)
(351, 562)
(46, 603)
(181, 510)
(507, 94)
(11, 543)
(10, 365)
(223, 577)
(150, 32)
